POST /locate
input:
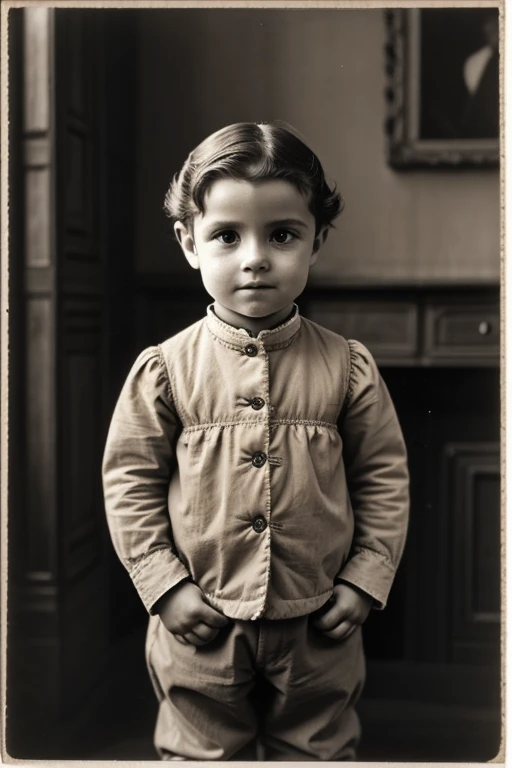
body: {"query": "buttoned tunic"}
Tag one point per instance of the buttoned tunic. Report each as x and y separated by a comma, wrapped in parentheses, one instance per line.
(264, 469)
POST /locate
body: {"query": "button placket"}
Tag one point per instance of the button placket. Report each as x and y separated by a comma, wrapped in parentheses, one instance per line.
(259, 458)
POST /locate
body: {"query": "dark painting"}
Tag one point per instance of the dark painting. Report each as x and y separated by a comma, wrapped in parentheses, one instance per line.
(443, 87)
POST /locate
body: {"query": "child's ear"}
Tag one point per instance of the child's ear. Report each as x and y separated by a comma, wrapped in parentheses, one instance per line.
(319, 240)
(185, 238)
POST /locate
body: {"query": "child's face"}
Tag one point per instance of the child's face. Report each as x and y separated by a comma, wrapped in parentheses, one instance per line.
(254, 245)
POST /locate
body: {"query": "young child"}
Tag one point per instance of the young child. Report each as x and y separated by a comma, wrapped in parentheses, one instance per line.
(255, 474)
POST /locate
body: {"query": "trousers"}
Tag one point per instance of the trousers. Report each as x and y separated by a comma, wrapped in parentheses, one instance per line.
(279, 683)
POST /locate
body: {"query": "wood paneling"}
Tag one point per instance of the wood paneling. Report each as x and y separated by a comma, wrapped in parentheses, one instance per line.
(37, 69)
(38, 201)
(458, 333)
(390, 329)
(41, 554)
(81, 494)
(59, 608)
(472, 499)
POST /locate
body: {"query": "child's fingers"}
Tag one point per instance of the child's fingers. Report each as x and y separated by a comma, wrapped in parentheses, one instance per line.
(332, 618)
(213, 618)
(194, 639)
(204, 633)
(341, 631)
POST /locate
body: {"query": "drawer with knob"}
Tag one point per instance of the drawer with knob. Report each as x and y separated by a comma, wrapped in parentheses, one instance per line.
(388, 328)
(459, 334)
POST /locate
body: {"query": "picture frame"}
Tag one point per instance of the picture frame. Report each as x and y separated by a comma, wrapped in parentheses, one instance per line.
(442, 87)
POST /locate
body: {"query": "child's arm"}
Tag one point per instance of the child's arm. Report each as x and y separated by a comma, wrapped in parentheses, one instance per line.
(138, 461)
(375, 459)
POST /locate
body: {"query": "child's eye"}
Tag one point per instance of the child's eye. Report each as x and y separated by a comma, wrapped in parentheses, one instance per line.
(283, 236)
(227, 237)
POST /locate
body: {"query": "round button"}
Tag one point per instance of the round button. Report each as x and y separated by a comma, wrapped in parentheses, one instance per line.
(257, 403)
(259, 458)
(251, 350)
(259, 524)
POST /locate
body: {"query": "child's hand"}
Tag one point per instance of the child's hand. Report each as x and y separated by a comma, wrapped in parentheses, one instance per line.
(348, 609)
(185, 613)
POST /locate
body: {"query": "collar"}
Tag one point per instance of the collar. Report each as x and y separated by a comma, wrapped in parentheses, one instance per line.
(278, 337)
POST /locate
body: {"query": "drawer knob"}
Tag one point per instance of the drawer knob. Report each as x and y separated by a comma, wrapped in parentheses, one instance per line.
(484, 328)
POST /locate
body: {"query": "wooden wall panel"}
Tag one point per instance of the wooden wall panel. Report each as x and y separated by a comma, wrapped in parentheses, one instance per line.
(38, 200)
(472, 490)
(390, 329)
(76, 84)
(41, 563)
(81, 495)
(77, 184)
(59, 607)
(37, 69)
(84, 661)
(453, 332)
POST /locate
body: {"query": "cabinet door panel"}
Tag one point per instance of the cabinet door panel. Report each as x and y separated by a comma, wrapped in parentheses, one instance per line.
(473, 501)
(388, 329)
(462, 333)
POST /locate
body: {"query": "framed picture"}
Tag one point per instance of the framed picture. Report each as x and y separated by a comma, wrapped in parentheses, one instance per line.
(442, 70)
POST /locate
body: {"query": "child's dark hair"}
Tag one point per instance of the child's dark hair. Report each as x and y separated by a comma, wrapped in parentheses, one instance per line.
(252, 152)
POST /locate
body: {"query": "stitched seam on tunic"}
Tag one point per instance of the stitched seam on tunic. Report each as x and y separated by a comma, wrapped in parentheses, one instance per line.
(282, 344)
(260, 422)
(228, 330)
(352, 355)
(235, 333)
(236, 347)
(170, 382)
(368, 552)
(239, 346)
(161, 360)
(306, 422)
(220, 596)
(222, 425)
(348, 385)
(266, 378)
(138, 564)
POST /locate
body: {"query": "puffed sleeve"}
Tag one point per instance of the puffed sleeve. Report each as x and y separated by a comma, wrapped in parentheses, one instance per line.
(138, 461)
(378, 480)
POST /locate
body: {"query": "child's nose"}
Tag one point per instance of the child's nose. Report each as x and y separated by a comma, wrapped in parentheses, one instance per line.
(255, 257)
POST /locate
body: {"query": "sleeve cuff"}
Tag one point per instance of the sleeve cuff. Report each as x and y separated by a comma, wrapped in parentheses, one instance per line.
(156, 574)
(371, 572)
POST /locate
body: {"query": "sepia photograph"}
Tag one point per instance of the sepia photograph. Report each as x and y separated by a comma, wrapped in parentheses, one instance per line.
(252, 448)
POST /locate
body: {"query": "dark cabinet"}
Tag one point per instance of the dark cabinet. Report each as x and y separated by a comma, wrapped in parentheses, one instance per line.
(434, 653)
(415, 327)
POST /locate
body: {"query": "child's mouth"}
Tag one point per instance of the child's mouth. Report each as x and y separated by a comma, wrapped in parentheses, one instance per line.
(255, 287)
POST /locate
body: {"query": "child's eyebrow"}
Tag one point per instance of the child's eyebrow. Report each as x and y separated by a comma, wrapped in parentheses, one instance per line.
(216, 226)
(288, 223)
